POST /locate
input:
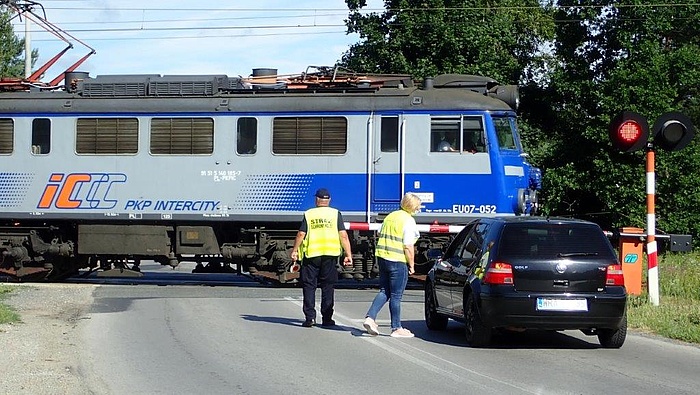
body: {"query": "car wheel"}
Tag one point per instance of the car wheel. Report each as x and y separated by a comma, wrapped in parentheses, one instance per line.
(433, 319)
(478, 335)
(613, 338)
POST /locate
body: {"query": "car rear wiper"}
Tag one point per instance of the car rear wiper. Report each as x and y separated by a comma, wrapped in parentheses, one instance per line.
(570, 254)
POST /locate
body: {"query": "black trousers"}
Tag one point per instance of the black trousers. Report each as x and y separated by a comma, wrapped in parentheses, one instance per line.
(320, 272)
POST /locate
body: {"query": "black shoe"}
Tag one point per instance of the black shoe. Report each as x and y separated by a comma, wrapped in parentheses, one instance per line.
(328, 323)
(308, 323)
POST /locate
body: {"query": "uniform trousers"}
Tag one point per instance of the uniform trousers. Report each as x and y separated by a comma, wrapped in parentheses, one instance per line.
(320, 271)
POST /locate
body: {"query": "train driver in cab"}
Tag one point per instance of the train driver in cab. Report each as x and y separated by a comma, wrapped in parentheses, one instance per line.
(448, 143)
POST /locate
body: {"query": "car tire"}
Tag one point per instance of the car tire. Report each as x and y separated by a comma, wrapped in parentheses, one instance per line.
(613, 338)
(477, 334)
(433, 320)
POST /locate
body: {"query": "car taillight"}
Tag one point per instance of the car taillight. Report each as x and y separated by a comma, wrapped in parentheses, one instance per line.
(614, 275)
(499, 273)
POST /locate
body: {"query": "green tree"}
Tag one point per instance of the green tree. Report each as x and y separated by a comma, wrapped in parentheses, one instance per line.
(661, 64)
(11, 48)
(613, 56)
(579, 62)
(499, 39)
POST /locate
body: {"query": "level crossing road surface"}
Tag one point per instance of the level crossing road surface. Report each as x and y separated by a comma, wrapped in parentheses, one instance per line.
(240, 336)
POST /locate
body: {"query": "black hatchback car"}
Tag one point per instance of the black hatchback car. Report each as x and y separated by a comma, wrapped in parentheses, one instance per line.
(516, 273)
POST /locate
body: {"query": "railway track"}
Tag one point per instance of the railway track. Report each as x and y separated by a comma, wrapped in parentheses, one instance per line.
(186, 274)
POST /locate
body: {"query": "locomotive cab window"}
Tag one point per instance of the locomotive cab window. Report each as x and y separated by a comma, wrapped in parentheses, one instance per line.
(41, 136)
(505, 131)
(7, 136)
(390, 134)
(182, 136)
(247, 136)
(107, 136)
(309, 135)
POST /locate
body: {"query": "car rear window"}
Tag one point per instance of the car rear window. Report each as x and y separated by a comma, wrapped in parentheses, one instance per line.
(546, 240)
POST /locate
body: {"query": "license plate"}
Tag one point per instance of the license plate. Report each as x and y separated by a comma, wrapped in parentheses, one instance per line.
(562, 304)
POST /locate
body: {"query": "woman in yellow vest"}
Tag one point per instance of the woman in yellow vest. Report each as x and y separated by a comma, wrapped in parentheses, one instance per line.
(395, 255)
(322, 238)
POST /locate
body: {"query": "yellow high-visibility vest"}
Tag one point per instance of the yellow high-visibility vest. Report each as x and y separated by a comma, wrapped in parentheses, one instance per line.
(321, 232)
(390, 243)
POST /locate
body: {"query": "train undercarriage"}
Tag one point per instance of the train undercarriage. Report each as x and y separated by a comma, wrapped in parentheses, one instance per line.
(31, 251)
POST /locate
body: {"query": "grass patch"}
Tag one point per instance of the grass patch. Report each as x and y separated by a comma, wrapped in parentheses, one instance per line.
(678, 313)
(7, 314)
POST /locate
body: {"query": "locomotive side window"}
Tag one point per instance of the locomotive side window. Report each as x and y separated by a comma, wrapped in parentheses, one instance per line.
(182, 136)
(446, 137)
(473, 134)
(107, 136)
(309, 135)
(390, 134)
(444, 134)
(247, 136)
(7, 136)
(41, 136)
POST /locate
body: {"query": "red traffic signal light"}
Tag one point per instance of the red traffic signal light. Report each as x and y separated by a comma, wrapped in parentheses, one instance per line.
(629, 131)
(673, 131)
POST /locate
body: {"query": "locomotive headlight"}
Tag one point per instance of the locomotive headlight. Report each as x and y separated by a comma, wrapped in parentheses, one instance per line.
(510, 94)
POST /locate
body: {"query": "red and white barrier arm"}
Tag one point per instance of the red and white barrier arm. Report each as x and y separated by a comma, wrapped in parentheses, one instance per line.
(423, 228)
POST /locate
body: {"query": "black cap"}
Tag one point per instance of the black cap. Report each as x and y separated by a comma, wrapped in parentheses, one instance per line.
(323, 194)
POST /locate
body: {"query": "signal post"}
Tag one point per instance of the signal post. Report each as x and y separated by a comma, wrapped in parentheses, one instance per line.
(629, 132)
(652, 257)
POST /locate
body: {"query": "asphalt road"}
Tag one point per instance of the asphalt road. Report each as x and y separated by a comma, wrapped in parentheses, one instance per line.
(246, 338)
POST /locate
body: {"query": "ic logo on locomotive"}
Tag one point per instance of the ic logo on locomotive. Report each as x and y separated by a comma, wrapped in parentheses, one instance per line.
(80, 191)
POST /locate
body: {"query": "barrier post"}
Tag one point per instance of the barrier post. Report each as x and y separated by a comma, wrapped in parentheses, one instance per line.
(631, 250)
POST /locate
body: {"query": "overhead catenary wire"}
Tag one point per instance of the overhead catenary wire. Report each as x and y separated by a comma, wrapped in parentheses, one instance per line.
(268, 27)
(162, 23)
(286, 13)
(368, 9)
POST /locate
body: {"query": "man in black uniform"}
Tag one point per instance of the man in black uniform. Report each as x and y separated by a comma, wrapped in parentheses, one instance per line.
(322, 238)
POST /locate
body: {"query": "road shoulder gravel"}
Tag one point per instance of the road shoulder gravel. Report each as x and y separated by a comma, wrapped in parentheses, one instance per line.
(41, 354)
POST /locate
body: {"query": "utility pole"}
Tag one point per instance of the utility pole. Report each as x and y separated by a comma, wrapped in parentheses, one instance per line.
(27, 49)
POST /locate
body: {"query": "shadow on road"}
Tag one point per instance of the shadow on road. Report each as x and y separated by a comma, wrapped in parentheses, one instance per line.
(530, 339)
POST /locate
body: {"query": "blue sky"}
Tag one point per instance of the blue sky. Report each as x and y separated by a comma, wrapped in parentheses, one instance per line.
(184, 37)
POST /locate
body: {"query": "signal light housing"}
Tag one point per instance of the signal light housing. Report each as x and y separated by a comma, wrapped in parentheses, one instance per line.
(629, 131)
(673, 131)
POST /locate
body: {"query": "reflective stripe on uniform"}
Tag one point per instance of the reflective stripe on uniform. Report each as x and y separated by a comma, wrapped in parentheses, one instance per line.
(390, 243)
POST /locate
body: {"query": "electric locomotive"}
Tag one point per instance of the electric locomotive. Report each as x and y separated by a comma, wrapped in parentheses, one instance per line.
(104, 172)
